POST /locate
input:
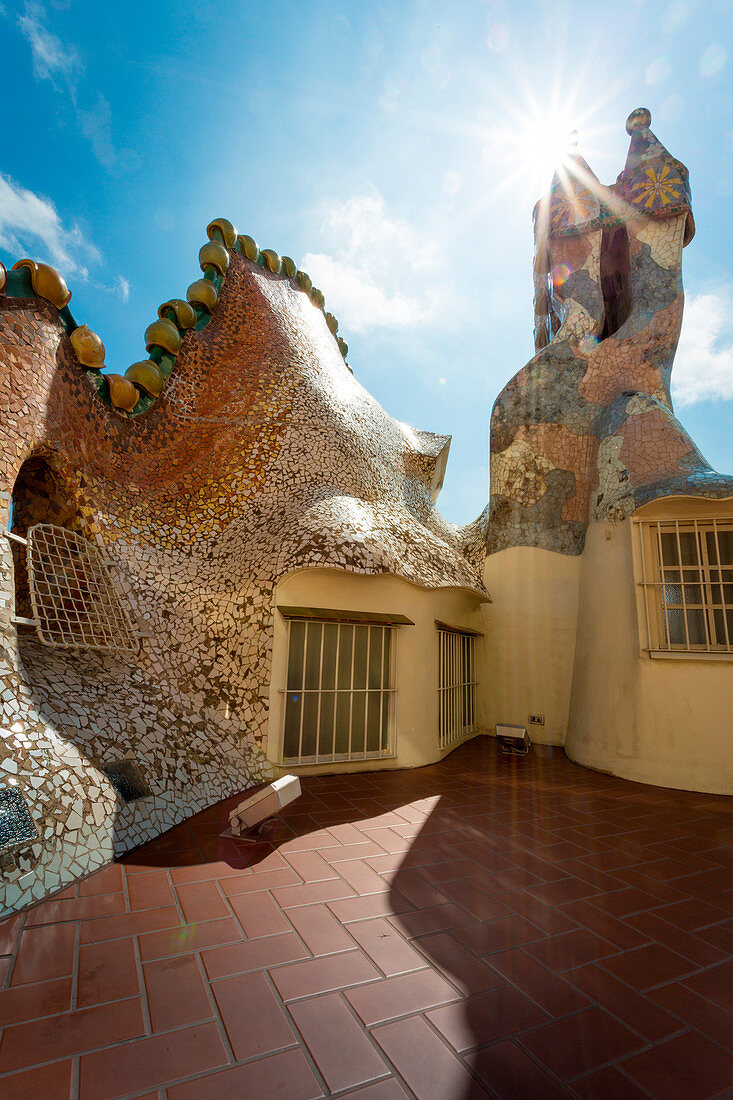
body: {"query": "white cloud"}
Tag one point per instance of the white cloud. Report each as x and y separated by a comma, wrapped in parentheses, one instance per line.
(381, 271)
(27, 219)
(97, 128)
(52, 59)
(122, 287)
(703, 366)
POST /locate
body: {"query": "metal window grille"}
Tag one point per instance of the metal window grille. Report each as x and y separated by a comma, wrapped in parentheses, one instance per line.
(456, 686)
(687, 582)
(339, 696)
(74, 600)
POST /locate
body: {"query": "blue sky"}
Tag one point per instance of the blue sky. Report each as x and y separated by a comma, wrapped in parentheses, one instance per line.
(394, 150)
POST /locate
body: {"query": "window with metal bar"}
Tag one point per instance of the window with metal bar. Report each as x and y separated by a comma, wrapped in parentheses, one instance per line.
(456, 686)
(687, 581)
(338, 700)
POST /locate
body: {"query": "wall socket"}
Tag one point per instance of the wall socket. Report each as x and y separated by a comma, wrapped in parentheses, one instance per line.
(536, 719)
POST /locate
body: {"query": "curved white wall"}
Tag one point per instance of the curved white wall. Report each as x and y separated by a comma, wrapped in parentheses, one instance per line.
(665, 722)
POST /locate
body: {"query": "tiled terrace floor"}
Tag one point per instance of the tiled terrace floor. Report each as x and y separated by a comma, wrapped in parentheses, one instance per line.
(484, 926)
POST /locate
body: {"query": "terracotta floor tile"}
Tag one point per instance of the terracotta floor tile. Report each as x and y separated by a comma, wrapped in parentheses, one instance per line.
(267, 880)
(70, 909)
(690, 1008)
(60, 1036)
(191, 937)
(716, 984)
(637, 1011)
(129, 924)
(201, 901)
(475, 900)
(623, 935)
(107, 972)
(386, 947)
(388, 840)
(44, 953)
(342, 1050)
(361, 878)
(285, 1075)
(27, 1002)
(496, 935)
(438, 918)
(253, 1016)
(620, 903)
(693, 914)
(397, 996)
(688, 1067)
(669, 935)
(322, 975)
(543, 916)
(45, 1083)
(373, 905)
(368, 849)
(608, 1084)
(311, 866)
(319, 930)
(151, 891)
(450, 870)
(645, 967)
(131, 1067)
(580, 1043)
(259, 915)
(312, 893)
(239, 958)
(570, 949)
(546, 989)
(9, 932)
(389, 1089)
(512, 1075)
(411, 885)
(482, 1019)
(459, 965)
(176, 992)
(108, 880)
(425, 1063)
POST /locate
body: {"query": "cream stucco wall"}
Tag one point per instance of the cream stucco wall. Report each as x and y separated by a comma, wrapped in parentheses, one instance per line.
(666, 722)
(416, 655)
(530, 639)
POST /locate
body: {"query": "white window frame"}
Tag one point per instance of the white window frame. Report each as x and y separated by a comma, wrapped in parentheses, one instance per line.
(387, 744)
(705, 576)
(456, 685)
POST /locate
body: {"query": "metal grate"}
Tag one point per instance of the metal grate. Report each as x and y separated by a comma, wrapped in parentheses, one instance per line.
(16, 824)
(74, 600)
(456, 686)
(127, 780)
(338, 699)
(687, 581)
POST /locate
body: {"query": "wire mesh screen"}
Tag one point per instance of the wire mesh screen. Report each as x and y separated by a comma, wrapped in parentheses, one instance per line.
(74, 600)
(456, 687)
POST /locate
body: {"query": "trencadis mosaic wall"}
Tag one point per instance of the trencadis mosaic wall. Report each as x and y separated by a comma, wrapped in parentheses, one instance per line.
(586, 430)
(255, 452)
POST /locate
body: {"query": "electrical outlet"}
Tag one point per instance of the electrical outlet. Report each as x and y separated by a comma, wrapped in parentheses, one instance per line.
(536, 719)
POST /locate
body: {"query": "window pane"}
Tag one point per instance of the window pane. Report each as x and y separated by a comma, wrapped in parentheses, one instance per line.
(295, 655)
(325, 726)
(375, 658)
(310, 723)
(386, 658)
(358, 723)
(330, 636)
(293, 704)
(345, 648)
(669, 549)
(343, 721)
(725, 543)
(361, 634)
(696, 627)
(374, 710)
(313, 655)
(385, 722)
(689, 548)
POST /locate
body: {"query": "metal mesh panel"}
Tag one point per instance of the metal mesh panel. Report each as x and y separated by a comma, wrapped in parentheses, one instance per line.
(16, 824)
(74, 600)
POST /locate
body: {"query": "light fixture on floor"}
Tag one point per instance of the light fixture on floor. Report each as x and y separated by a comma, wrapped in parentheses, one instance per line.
(249, 816)
(514, 740)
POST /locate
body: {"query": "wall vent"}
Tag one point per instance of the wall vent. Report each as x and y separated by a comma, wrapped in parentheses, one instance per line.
(17, 827)
(127, 780)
